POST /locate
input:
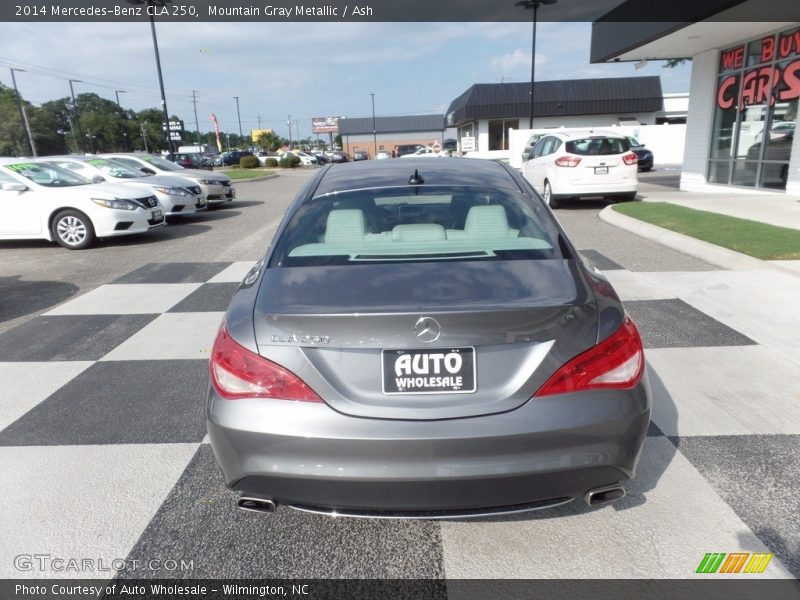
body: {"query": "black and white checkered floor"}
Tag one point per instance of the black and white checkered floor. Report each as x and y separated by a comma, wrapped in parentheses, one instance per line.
(103, 453)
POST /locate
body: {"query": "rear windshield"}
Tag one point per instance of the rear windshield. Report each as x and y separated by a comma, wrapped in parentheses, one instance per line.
(409, 224)
(597, 146)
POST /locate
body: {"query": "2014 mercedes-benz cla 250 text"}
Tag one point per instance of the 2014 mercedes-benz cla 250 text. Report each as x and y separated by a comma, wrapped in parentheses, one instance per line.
(423, 340)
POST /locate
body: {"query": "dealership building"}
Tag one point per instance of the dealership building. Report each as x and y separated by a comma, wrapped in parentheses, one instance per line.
(743, 99)
(486, 112)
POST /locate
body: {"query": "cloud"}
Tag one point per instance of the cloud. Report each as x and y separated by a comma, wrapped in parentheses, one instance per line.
(517, 61)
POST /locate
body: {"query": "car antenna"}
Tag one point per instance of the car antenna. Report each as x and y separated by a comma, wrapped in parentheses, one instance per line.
(416, 178)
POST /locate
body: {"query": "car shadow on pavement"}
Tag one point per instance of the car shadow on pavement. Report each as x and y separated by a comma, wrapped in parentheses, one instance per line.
(238, 204)
(20, 298)
(655, 459)
(594, 203)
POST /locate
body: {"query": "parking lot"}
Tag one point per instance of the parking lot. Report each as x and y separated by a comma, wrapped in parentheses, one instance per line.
(103, 361)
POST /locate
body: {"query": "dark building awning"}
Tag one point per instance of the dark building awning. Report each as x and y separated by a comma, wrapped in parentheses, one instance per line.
(613, 95)
(402, 124)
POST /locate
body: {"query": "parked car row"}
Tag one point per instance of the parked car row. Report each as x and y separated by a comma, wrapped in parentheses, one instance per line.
(73, 200)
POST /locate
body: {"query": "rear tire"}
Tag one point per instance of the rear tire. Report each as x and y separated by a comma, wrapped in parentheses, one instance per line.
(73, 230)
(549, 197)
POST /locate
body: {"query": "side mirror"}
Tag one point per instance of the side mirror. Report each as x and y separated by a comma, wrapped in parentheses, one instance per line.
(526, 155)
(98, 179)
(147, 171)
(13, 186)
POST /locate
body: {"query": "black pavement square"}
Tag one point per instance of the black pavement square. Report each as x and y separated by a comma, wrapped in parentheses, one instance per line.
(209, 297)
(758, 476)
(199, 521)
(186, 272)
(126, 402)
(69, 337)
(601, 261)
(674, 324)
(654, 431)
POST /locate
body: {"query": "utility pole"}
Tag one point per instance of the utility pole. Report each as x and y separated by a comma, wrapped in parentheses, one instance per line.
(239, 117)
(196, 122)
(259, 121)
(121, 127)
(144, 137)
(374, 132)
(78, 141)
(22, 112)
(289, 123)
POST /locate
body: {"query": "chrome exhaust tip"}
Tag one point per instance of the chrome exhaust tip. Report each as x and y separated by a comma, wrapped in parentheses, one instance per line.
(604, 495)
(259, 505)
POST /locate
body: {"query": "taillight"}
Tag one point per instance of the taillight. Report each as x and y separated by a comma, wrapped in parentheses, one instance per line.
(568, 161)
(630, 159)
(616, 362)
(236, 372)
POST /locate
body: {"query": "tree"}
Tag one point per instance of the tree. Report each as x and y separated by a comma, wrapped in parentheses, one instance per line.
(13, 141)
(676, 62)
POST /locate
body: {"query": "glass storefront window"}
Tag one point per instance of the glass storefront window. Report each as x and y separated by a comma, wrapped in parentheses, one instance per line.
(758, 90)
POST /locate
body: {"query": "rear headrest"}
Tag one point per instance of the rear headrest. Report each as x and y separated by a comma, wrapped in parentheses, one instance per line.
(487, 221)
(422, 232)
(345, 225)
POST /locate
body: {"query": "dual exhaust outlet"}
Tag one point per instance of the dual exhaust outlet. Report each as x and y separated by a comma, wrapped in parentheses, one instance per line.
(594, 498)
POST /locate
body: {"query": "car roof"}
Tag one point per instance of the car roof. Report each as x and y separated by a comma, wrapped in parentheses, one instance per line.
(585, 133)
(467, 172)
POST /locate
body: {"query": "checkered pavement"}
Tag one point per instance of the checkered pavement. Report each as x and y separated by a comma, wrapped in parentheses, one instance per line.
(103, 451)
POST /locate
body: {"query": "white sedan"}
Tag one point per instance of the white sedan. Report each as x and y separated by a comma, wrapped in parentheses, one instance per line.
(578, 164)
(425, 153)
(177, 195)
(42, 201)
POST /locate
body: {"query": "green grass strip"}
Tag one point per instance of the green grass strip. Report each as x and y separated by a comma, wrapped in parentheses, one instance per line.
(760, 240)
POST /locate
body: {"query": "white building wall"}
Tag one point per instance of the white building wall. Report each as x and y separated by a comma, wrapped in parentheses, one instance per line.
(700, 120)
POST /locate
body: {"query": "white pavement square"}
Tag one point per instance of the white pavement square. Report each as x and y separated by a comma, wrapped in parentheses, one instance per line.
(753, 302)
(663, 530)
(234, 273)
(26, 384)
(82, 501)
(187, 335)
(734, 390)
(127, 299)
(631, 286)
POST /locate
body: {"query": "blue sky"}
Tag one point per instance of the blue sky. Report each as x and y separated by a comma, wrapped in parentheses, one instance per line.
(298, 69)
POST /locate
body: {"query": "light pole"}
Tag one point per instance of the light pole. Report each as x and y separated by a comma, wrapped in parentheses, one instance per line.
(374, 132)
(23, 115)
(161, 3)
(239, 117)
(117, 93)
(78, 143)
(534, 5)
(196, 122)
(289, 123)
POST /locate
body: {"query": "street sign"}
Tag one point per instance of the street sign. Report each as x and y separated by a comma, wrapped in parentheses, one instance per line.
(467, 144)
(173, 125)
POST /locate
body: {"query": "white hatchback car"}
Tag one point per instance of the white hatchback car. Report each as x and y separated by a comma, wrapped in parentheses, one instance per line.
(582, 163)
(39, 200)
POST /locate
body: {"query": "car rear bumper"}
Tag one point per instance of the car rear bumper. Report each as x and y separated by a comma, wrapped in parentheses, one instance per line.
(307, 454)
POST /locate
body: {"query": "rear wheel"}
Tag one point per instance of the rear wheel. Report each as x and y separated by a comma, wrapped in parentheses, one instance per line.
(73, 230)
(549, 197)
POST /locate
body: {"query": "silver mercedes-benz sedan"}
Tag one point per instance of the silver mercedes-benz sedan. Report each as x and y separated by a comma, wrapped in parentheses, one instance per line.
(421, 339)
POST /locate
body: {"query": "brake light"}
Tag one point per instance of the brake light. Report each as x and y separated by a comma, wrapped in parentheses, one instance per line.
(236, 372)
(616, 363)
(630, 159)
(568, 161)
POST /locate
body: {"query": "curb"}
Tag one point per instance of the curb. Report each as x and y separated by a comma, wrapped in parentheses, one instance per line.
(710, 253)
(261, 178)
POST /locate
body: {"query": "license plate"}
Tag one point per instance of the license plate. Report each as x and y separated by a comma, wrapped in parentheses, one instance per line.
(600, 170)
(428, 371)
(157, 215)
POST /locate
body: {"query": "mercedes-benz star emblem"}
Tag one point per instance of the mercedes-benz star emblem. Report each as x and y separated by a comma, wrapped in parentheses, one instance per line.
(428, 330)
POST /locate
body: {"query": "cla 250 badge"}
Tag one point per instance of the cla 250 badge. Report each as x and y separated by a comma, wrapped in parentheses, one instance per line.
(301, 339)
